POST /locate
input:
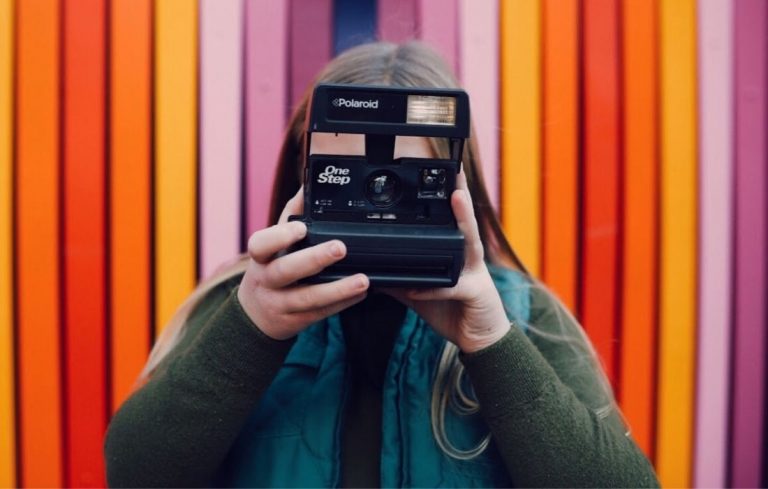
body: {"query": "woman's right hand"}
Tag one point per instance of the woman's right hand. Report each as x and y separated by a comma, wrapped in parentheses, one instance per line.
(268, 291)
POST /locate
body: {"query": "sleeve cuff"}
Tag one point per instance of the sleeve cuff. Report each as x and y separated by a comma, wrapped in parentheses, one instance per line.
(510, 372)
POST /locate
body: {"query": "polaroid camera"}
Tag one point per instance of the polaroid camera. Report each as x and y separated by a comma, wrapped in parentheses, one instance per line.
(394, 215)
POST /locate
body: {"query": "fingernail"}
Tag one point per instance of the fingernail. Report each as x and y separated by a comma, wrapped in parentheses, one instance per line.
(336, 250)
(361, 282)
(301, 229)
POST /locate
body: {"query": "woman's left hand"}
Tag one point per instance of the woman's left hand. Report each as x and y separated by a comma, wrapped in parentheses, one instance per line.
(469, 314)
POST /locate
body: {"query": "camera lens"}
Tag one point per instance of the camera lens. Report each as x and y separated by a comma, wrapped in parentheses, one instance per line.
(382, 188)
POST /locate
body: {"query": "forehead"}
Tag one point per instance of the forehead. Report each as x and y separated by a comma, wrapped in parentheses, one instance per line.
(354, 144)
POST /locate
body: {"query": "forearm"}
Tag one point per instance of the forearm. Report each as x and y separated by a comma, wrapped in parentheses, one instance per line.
(177, 429)
(544, 433)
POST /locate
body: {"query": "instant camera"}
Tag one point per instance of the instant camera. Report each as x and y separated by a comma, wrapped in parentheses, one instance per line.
(393, 215)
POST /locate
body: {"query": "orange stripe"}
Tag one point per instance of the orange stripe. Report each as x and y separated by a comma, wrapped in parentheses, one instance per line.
(520, 118)
(639, 287)
(601, 179)
(37, 242)
(175, 155)
(130, 153)
(7, 375)
(84, 240)
(678, 231)
(561, 145)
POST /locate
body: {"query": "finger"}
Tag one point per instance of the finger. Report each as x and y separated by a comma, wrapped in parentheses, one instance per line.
(461, 180)
(263, 244)
(465, 219)
(310, 297)
(324, 312)
(303, 263)
(294, 206)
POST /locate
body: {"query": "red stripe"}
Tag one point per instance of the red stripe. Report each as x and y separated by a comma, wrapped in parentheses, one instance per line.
(601, 179)
(84, 240)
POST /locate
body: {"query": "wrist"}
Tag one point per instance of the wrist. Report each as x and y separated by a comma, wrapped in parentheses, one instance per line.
(474, 342)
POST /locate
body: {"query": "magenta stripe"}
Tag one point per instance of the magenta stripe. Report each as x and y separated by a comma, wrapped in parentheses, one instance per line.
(397, 20)
(479, 60)
(266, 99)
(220, 102)
(750, 318)
(715, 46)
(311, 43)
(439, 27)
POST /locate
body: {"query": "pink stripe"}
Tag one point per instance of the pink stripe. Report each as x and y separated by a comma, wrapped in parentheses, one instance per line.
(751, 180)
(397, 20)
(479, 59)
(439, 27)
(266, 94)
(311, 42)
(715, 45)
(220, 101)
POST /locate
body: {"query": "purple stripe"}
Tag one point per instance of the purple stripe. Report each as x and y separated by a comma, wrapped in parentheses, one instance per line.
(311, 32)
(220, 101)
(397, 20)
(479, 59)
(266, 97)
(715, 46)
(438, 21)
(751, 163)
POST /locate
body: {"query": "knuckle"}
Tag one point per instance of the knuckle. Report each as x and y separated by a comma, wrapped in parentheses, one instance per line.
(274, 272)
(308, 299)
(320, 258)
(253, 243)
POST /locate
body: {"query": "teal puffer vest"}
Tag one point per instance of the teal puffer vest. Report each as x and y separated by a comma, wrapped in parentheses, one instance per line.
(293, 438)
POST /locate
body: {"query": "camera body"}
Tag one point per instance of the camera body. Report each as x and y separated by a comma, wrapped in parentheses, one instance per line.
(393, 215)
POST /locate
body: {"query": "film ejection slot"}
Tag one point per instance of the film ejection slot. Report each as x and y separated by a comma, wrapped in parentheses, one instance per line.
(373, 215)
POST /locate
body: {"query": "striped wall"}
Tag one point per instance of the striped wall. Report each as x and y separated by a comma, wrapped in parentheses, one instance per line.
(623, 143)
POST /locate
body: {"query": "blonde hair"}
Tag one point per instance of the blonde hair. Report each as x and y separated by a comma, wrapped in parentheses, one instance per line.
(409, 64)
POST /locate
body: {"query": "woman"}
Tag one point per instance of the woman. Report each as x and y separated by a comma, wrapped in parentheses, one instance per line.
(259, 381)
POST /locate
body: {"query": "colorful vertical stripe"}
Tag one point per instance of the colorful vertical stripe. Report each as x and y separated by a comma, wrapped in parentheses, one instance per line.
(751, 268)
(221, 31)
(678, 232)
(311, 43)
(37, 248)
(560, 147)
(7, 390)
(266, 103)
(439, 28)
(130, 192)
(639, 284)
(398, 20)
(84, 234)
(715, 46)
(175, 155)
(520, 128)
(354, 22)
(478, 57)
(598, 303)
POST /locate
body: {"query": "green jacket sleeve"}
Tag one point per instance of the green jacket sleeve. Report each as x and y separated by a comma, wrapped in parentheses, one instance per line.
(552, 421)
(176, 429)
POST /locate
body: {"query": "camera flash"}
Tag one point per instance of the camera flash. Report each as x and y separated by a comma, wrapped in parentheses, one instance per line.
(431, 110)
